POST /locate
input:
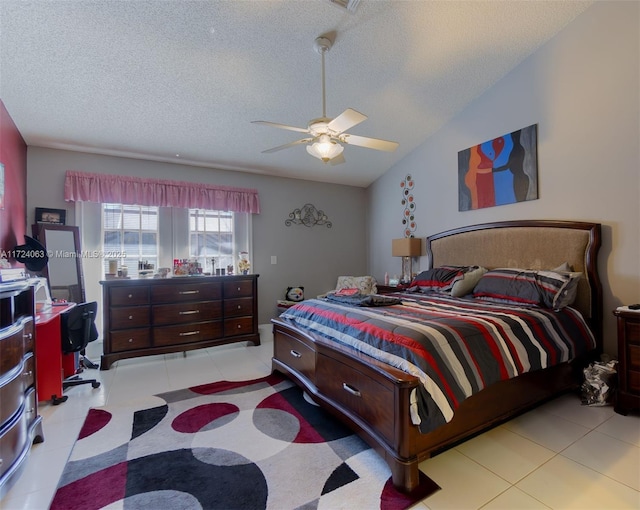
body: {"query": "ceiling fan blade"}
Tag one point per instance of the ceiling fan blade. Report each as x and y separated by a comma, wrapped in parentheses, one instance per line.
(338, 160)
(281, 126)
(347, 119)
(369, 143)
(287, 145)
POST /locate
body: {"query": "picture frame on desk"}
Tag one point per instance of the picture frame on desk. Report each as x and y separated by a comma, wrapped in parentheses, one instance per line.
(55, 216)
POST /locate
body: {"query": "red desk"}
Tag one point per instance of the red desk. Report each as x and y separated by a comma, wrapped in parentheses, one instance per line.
(51, 365)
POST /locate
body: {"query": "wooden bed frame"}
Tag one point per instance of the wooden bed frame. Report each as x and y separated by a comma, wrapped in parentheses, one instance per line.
(373, 398)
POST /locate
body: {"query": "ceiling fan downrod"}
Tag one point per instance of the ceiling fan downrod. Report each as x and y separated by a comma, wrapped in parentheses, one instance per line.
(322, 45)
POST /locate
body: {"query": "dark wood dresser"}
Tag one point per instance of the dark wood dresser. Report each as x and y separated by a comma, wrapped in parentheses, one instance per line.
(628, 394)
(20, 424)
(161, 315)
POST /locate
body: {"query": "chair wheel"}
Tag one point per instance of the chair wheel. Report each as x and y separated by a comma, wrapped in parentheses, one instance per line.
(58, 400)
(95, 384)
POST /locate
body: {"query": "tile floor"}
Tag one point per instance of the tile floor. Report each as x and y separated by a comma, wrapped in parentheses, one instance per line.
(561, 455)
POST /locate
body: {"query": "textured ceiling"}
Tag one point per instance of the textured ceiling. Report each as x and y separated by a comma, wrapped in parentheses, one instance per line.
(153, 79)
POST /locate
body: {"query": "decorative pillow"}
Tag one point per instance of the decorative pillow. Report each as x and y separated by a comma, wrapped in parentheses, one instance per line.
(345, 292)
(443, 279)
(563, 268)
(295, 293)
(364, 284)
(568, 295)
(525, 287)
(469, 280)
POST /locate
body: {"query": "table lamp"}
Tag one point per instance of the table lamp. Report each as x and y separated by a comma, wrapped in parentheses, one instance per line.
(407, 248)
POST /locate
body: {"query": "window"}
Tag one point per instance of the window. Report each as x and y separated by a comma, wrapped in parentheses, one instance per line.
(130, 235)
(211, 238)
(160, 235)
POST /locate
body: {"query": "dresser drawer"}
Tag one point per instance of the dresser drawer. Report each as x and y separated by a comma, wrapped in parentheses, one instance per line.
(238, 307)
(13, 440)
(29, 373)
(238, 326)
(633, 332)
(30, 406)
(181, 313)
(29, 337)
(296, 355)
(187, 333)
(633, 381)
(633, 357)
(130, 339)
(130, 317)
(11, 348)
(357, 392)
(12, 395)
(130, 295)
(188, 291)
(238, 288)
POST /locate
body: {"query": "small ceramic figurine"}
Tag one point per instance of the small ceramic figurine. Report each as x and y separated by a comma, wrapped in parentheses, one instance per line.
(243, 263)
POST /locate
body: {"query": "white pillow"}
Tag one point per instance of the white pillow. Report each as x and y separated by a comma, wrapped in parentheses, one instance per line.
(468, 282)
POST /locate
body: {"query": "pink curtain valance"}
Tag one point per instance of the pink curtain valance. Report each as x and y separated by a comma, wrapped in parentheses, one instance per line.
(120, 189)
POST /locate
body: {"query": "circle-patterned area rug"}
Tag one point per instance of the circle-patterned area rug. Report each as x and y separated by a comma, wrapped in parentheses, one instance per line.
(226, 445)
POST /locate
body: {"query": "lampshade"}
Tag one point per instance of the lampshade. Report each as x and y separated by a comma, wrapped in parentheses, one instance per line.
(406, 247)
(325, 149)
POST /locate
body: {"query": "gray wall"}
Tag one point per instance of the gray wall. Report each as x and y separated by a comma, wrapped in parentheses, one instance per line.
(581, 89)
(312, 257)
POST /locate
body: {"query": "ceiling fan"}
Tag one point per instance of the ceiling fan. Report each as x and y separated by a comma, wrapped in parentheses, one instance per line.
(327, 135)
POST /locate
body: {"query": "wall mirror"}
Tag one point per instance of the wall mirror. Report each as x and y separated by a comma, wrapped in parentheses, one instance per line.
(64, 270)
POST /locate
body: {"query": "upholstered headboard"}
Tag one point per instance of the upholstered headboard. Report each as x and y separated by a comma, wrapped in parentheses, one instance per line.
(529, 244)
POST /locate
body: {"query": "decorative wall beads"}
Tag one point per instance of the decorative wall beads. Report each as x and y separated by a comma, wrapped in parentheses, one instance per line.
(408, 216)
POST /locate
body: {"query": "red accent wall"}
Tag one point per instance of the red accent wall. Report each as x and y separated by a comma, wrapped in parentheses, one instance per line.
(13, 155)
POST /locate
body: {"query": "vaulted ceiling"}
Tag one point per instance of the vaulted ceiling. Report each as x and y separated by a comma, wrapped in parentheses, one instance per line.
(181, 80)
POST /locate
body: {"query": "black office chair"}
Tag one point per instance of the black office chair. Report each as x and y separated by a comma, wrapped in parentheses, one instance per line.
(78, 329)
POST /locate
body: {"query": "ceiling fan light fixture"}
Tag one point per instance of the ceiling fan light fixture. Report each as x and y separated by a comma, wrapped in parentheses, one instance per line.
(325, 149)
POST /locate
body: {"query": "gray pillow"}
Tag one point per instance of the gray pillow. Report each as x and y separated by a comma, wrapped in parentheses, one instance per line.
(527, 287)
(567, 295)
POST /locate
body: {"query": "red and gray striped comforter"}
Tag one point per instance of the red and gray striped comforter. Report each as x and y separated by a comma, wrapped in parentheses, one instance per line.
(455, 346)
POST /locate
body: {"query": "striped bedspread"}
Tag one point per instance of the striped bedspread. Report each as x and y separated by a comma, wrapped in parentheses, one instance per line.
(456, 347)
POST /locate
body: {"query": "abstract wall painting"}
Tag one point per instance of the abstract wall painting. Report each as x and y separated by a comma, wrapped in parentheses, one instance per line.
(500, 171)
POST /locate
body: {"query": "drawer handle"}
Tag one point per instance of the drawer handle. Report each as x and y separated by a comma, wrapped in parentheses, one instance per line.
(130, 317)
(351, 389)
(28, 374)
(130, 340)
(295, 354)
(130, 296)
(189, 312)
(189, 333)
(28, 336)
(189, 292)
(238, 289)
(239, 307)
(239, 326)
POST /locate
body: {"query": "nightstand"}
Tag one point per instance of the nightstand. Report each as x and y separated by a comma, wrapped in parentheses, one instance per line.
(388, 289)
(628, 395)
